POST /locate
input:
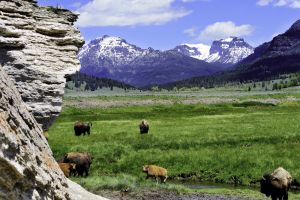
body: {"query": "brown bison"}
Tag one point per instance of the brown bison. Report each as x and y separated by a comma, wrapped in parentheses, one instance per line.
(276, 184)
(82, 128)
(144, 127)
(83, 161)
(156, 172)
(68, 168)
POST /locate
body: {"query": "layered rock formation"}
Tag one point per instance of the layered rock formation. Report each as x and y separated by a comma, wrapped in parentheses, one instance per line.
(38, 47)
(27, 168)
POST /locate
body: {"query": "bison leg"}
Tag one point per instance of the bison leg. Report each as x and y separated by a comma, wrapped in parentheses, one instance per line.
(147, 176)
(274, 197)
(286, 196)
(86, 172)
(165, 178)
(156, 178)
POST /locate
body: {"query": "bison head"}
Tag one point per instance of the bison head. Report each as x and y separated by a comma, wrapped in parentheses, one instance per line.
(145, 168)
(266, 185)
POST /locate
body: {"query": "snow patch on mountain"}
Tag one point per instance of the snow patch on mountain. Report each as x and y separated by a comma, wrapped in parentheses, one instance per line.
(227, 51)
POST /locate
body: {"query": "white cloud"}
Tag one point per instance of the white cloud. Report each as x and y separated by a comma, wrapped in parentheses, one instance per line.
(264, 2)
(295, 4)
(280, 3)
(221, 30)
(190, 32)
(129, 12)
(186, 1)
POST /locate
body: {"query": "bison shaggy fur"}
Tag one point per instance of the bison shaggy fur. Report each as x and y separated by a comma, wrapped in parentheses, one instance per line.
(156, 172)
(144, 127)
(82, 128)
(83, 161)
(68, 168)
(276, 184)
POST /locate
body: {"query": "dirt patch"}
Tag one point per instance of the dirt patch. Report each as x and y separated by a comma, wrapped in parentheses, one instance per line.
(94, 103)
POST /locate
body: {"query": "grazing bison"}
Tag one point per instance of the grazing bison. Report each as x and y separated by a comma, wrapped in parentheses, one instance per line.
(68, 168)
(83, 161)
(156, 172)
(144, 127)
(82, 128)
(276, 184)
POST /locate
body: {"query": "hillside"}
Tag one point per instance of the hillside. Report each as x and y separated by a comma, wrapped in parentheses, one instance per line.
(269, 61)
(115, 58)
(91, 83)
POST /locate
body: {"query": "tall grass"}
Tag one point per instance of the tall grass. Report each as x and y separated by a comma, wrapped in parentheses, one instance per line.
(225, 143)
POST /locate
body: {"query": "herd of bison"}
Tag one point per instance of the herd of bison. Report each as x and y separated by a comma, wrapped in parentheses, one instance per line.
(276, 184)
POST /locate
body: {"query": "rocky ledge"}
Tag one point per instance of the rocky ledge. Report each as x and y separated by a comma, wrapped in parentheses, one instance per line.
(38, 48)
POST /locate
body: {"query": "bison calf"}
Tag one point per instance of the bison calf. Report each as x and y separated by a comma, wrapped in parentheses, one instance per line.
(83, 161)
(276, 184)
(156, 171)
(144, 127)
(68, 168)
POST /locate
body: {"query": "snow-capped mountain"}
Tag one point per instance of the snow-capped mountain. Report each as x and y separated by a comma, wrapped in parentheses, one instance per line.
(109, 51)
(227, 51)
(113, 57)
(198, 51)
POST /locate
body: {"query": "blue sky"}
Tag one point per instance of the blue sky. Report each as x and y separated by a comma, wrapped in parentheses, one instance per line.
(163, 24)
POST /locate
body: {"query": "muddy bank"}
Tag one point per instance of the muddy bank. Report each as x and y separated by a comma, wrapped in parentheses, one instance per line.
(166, 195)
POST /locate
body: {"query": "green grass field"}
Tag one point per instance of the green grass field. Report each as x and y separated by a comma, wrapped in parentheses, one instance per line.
(232, 143)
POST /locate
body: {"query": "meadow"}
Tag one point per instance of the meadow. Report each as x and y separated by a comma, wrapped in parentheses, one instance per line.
(232, 142)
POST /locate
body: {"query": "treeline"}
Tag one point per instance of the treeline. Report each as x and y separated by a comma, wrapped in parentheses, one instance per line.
(91, 83)
(224, 79)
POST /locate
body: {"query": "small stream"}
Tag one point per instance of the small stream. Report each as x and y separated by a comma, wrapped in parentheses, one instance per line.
(209, 185)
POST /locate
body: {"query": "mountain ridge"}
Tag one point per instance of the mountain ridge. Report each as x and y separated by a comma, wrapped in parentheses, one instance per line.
(114, 58)
(271, 59)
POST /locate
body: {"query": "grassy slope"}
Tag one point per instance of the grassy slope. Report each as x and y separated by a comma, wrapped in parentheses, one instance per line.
(223, 143)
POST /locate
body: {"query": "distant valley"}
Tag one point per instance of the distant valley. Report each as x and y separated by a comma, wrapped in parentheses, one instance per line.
(114, 58)
(188, 65)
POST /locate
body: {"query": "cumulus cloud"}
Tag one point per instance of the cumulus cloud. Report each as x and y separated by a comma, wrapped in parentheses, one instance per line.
(221, 30)
(190, 32)
(186, 1)
(264, 2)
(129, 12)
(280, 3)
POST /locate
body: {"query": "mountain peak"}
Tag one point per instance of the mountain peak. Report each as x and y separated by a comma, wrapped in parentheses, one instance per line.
(230, 39)
(229, 51)
(295, 28)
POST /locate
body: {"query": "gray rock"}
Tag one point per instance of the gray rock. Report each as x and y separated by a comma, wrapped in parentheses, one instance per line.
(27, 168)
(38, 47)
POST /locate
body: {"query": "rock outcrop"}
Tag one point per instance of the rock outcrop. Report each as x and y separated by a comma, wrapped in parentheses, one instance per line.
(38, 47)
(27, 168)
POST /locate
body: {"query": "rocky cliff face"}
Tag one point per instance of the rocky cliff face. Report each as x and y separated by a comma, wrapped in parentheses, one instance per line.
(38, 47)
(28, 170)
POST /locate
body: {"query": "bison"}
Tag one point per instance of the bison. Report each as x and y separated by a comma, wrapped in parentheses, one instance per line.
(144, 127)
(276, 184)
(82, 128)
(83, 161)
(68, 168)
(156, 172)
